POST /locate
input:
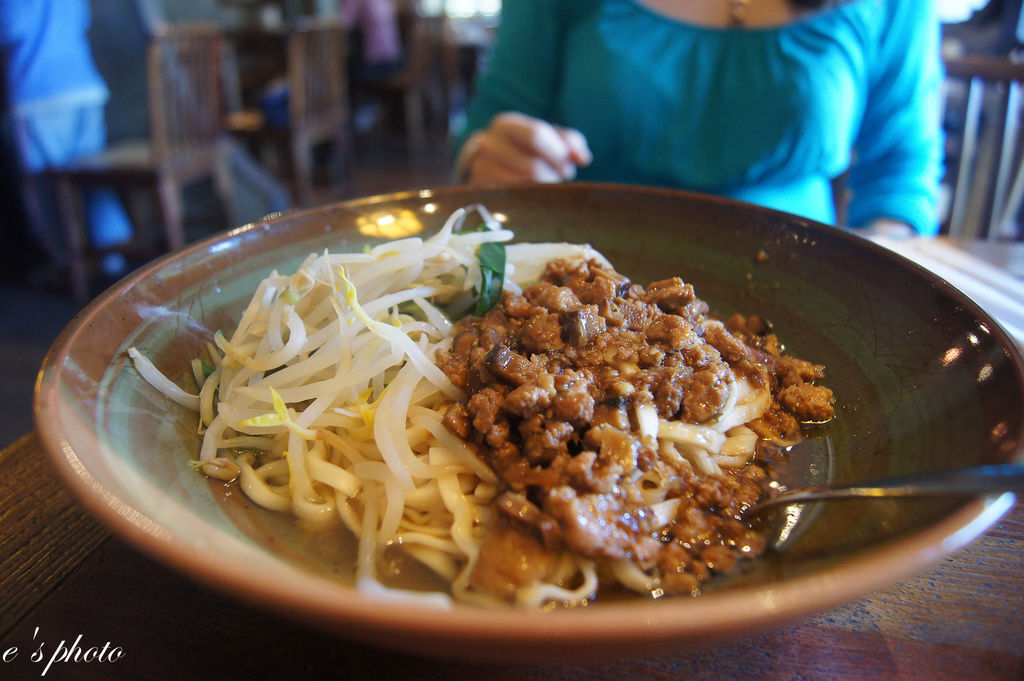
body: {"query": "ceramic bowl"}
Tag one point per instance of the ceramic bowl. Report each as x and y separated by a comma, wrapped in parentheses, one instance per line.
(925, 380)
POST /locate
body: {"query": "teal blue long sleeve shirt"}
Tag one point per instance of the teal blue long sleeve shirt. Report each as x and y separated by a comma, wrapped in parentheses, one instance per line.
(765, 115)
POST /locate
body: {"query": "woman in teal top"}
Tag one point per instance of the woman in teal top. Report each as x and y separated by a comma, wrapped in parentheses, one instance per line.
(669, 93)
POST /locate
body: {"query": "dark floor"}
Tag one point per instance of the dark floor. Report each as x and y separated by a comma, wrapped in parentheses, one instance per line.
(34, 309)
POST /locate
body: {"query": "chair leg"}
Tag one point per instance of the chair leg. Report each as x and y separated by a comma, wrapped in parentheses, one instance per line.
(72, 232)
(414, 121)
(343, 151)
(440, 108)
(30, 188)
(224, 185)
(302, 169)
(168, 196)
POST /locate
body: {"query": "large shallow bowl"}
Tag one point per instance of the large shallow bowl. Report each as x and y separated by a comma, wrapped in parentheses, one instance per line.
(925, 380)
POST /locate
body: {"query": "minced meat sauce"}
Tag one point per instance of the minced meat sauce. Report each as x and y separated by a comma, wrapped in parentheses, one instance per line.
(555, 377)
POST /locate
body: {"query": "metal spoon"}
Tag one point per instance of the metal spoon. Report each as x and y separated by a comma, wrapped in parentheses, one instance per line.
(958, 482)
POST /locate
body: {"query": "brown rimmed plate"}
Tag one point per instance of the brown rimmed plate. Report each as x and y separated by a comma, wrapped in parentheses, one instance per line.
(925, 381)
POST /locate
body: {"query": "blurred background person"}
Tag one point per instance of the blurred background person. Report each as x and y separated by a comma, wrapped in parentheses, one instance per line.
(375, 42)
(55, 112)
(774, 102)
(375, 53)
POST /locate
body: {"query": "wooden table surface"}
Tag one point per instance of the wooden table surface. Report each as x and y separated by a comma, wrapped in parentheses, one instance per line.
(67, 585)
(62, 576)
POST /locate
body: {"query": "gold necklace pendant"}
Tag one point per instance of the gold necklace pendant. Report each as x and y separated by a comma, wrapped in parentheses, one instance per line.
(738, 12)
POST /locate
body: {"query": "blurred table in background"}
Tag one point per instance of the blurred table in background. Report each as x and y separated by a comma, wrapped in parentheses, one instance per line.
(1008, 257)
(260, 56)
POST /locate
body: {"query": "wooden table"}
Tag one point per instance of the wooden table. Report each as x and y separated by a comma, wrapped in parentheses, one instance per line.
(62, 576)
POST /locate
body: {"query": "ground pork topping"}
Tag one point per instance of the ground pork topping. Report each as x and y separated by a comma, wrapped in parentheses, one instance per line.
(560, 381)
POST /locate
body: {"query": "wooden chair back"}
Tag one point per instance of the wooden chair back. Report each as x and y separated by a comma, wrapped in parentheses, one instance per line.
(185, 94)
(317, 77)
(187, 142)
(985, 150)
(425, 77)
(424, 40)
(318, 108)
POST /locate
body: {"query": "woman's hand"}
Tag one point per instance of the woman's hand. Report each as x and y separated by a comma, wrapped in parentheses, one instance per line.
(519, 148)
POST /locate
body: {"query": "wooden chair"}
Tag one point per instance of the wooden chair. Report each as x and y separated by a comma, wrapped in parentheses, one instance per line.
(424, 78)
(985, 150)
(187, 143)
(318, 108)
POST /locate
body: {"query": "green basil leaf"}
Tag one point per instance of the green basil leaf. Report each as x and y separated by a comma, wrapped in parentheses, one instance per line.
(492, 273)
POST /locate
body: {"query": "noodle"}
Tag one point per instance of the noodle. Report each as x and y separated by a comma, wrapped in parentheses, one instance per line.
(328, 399)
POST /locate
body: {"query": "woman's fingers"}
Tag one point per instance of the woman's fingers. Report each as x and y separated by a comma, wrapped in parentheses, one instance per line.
(579, 150)
(488, 166)
(501, 157)
(520, 147)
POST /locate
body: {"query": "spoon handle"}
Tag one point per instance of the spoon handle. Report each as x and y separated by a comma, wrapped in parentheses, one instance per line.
(958, 482)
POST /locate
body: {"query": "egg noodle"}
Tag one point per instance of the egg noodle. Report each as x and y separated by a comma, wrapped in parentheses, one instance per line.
(327, 403)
